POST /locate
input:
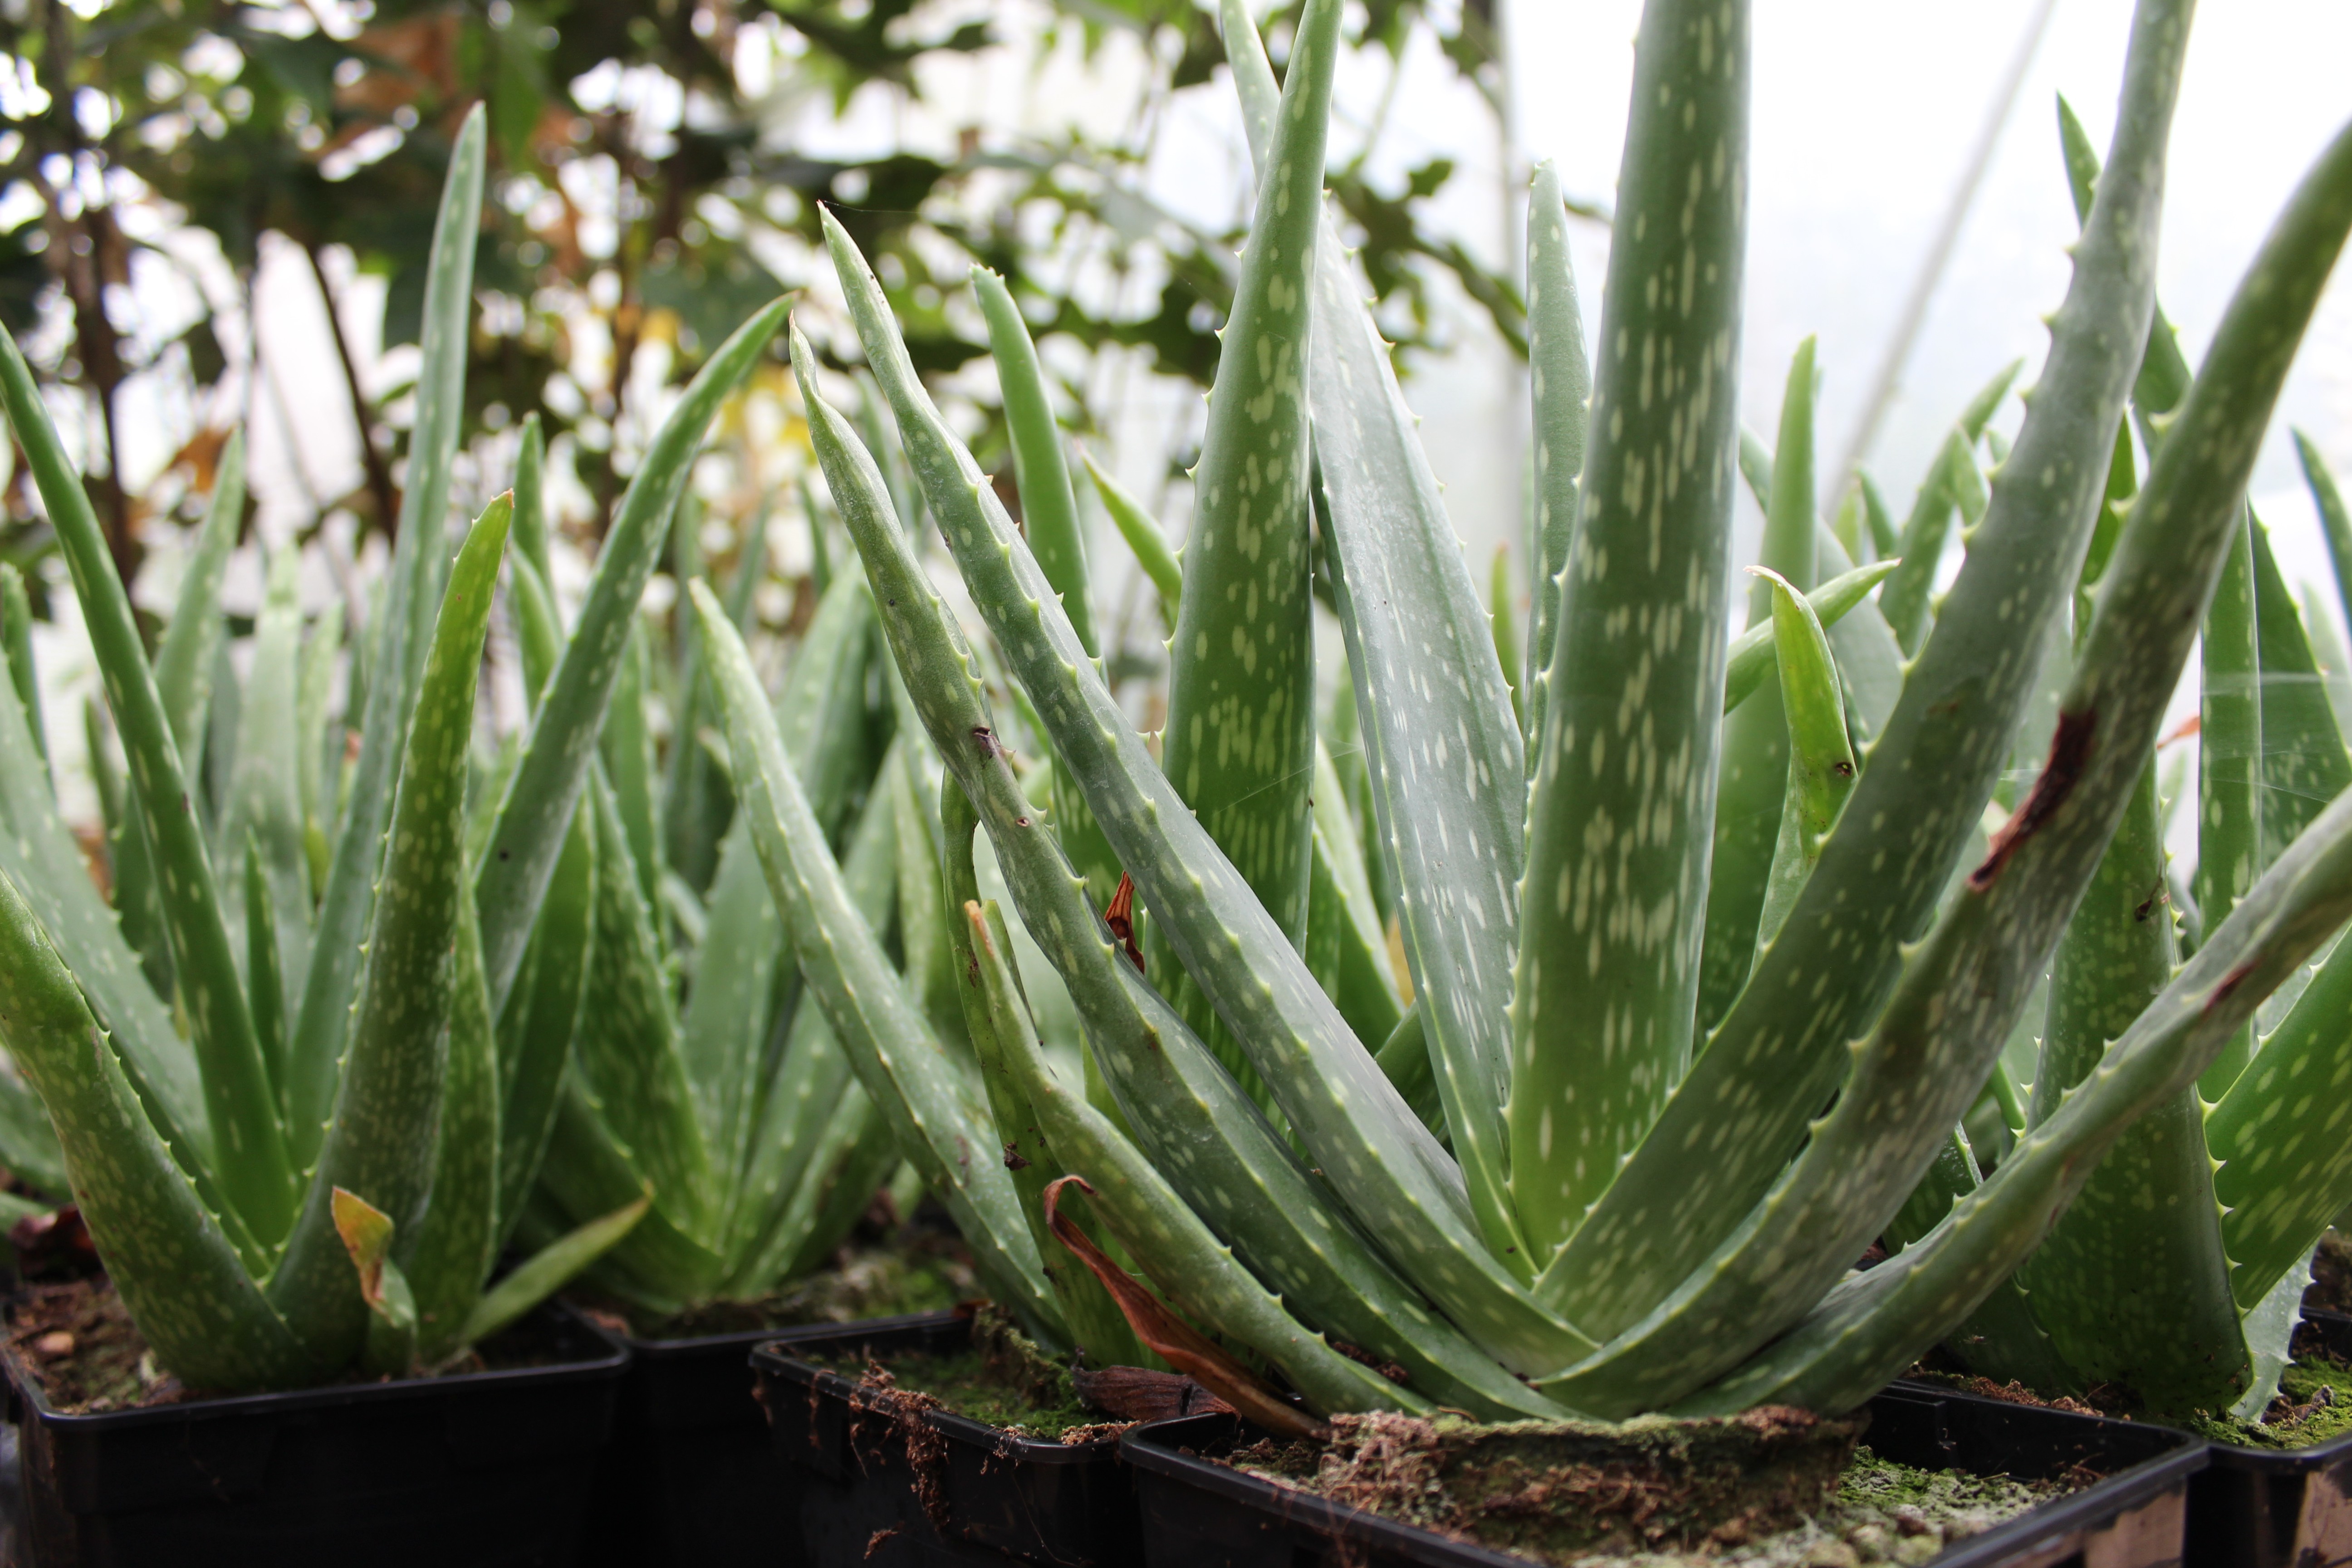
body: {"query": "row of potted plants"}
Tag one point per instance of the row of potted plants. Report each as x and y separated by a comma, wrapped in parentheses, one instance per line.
(1535, 1036)
(947, 1438)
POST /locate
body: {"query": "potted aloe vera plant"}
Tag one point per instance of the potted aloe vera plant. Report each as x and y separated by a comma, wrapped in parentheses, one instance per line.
(309, 1190)
(1701, 998)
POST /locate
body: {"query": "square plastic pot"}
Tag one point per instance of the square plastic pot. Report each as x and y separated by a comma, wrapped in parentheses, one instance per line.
(489, 1468)
(1199, 1514)
(2260, 1508)
(853, 1493)
(687, 1481)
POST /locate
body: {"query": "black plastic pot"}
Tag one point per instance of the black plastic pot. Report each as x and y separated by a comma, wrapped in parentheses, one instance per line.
(852, 1493)
(687, 1481)
(2260, 1508)
(1200, 1514)
(485, 1469)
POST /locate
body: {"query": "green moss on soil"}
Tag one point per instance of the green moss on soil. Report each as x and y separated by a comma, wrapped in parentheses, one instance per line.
(1003, 1380)
(1822, 1509)
(2314, 1406)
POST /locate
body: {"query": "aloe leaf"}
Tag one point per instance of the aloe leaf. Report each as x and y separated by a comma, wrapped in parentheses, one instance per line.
(1180, 1253)
(627, 1056)
(1755, 653)
(2000, 1340)
(176, 1269)
(263, 983)
(2285, 1169)
(1904, 600)
(1645, 584)
(1869, 661)
(928, 1096)
(2335, 519)
(1189, 1114)
(264, 806)
(380, 1144)
(1240, 734)
(1345, 947)
(16, 628)
(317, 740)
(1781, 1050)
(1923, 1059)
(2163, 379)
(545, 1272)
(239, 1105)
(543, 1019)
(397, 638)
(812, 1113)
(996, 1017)
(1442, 742)
(726, 1028)
(28, 1145)
(587, 1171)
(2327, 649)
(1821, 755)
(39, 853)
(1751, 798)
(1559, 377)
(547, 783)
(1143, 536)
(1884, 540)
(1872, 1326)
(453, 1249)
(2133, 1286)
(2303, 763)
(531, 497)
(625, 748)
(183, 660)
(2228, 762)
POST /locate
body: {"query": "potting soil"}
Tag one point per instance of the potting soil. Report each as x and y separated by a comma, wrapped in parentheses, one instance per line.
(1762, 1490)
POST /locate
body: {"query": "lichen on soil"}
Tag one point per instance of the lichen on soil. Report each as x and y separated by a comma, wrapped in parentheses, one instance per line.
(1002, 1380)
(1771, 1488)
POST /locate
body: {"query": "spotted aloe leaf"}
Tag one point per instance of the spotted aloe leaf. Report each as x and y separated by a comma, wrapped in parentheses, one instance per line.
(1614, 907)
(1782, 1048)
(1560, 384)
(536, 810)
(266, 801)
(2303, 763)
(1240, 735)
(381, 1143)
(1873, 1325)
(1184, 1257)
(176, 1269)
(395, 655)
(1750, 806)
(239, 1103)
(2133, 1286)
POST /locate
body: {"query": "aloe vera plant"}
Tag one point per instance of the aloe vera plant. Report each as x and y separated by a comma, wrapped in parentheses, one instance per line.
(1651, 1098)
(380, 1005)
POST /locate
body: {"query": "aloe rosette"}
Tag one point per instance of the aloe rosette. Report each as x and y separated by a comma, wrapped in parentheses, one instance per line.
(1666, 1073)
(304, 1077)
